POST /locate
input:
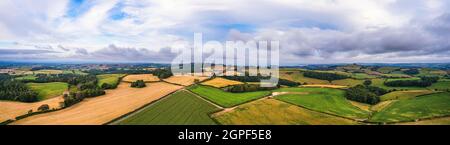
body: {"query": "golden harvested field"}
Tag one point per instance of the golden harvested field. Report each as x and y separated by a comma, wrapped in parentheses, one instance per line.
(221, 82)
(325, 86)
(10, 109)
(184, 80)
(102, 109)
(144, 77)
(48, 71)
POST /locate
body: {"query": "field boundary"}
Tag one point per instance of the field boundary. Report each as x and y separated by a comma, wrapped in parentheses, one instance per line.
(353, 119)
(125, 116)
(210, 102)
(230, 92)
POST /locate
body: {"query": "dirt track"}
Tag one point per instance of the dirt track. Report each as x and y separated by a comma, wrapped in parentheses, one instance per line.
(102, 109)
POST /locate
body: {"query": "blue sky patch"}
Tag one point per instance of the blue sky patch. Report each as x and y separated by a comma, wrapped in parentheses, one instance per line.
(77, 8)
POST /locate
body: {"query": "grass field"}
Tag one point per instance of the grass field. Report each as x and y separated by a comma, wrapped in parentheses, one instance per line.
(221, 82)
(441, 85)
(380, 83)
(74, 72)
(297, 76)
(27, 77)
(48, 90)
(421, 107)
(323, 100)
(109, 78)
(382, 105)
(348, 82)
(362, 76)
(226, 99)
(274, 112)
(180, 108)
(400, 95)
(387, 70)
(437, 121)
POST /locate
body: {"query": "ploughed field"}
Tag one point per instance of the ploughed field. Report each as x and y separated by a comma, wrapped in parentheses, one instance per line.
(102, 109)
(180, 108)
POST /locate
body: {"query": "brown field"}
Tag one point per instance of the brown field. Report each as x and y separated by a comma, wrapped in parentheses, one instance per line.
(102, 109)
(184, 80)
(10, 109)
(326, 86)
(144, 77)
(221, 82)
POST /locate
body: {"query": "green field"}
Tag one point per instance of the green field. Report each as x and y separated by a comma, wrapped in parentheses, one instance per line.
(180, 108)
(387, 70)
(380, 83)
(323, 100)
(74, 72)
(441, 86)
(274, 112)
(48, 90)
(297, 76)
(362, 76)
(226, 99)
(109, 78)
(348, 82)
(420, 107)
(27, 77)
(400, 95)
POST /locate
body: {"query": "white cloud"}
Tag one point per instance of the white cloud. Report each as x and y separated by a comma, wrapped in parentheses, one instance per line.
(350, 30)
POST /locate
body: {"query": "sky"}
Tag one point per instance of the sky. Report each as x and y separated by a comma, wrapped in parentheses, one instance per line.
(309, 31)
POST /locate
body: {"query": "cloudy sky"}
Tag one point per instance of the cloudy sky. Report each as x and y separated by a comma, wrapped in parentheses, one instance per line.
(309, 31)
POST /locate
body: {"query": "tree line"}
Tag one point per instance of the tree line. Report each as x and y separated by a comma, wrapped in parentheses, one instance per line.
(324, 75)
(86, 86)
(423, 82)
(13, 90)
(162, 73)
(281, 82)
(240, 88)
